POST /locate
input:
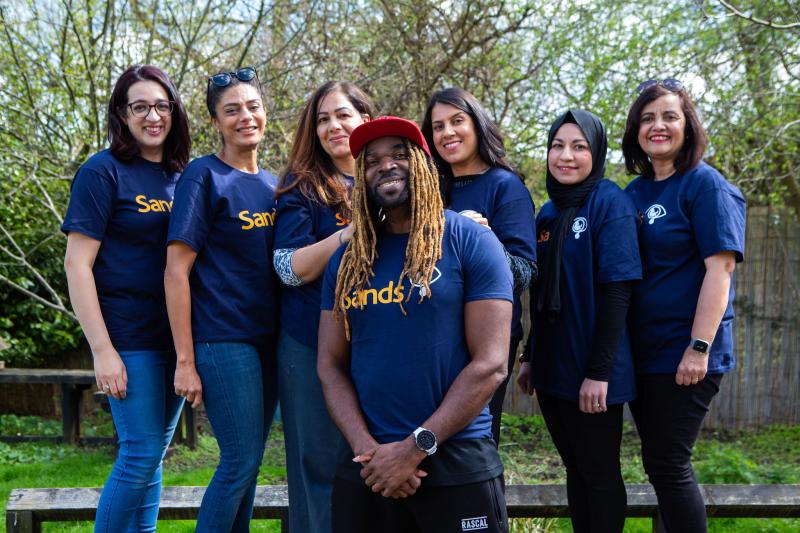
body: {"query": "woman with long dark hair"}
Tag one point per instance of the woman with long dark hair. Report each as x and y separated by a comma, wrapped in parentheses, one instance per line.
(116, 225)
(221, 296)
(313, 220)
(692, 236)
(479, 182)
(578, 358)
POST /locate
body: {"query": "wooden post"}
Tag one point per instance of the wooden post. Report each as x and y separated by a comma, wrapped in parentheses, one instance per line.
(22, 522)
(71, 411)
(191, 426)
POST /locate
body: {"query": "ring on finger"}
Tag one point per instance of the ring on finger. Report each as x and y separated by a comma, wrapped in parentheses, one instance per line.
(106, 387)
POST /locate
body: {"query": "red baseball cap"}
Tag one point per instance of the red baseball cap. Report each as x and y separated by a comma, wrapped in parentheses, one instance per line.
(386, 127)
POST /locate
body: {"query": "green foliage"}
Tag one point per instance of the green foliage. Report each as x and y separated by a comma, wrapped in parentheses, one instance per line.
(29, 425)
(726, 465)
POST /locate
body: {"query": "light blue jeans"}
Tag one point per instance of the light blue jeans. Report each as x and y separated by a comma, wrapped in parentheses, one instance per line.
(314, 445)
(239, 394)
(145, 421)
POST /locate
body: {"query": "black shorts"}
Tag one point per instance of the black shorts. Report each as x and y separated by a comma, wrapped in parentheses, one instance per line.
(477, 507)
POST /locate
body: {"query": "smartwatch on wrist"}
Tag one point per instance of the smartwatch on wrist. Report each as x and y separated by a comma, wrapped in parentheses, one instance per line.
(700, 346)
(425, 440)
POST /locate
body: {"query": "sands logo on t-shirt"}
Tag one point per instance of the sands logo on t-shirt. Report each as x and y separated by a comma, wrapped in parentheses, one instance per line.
(579, 225)
(257, 220)
(390, 294)
(153, 205)
(654, 212)
(342, 220)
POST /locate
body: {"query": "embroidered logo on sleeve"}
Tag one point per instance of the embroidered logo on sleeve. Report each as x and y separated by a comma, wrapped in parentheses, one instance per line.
(654, 212)
(579, 225)
(474, 524)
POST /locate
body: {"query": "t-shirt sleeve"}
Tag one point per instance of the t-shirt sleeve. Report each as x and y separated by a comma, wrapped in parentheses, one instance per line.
(294, 227)
(329, 280)
(617, 242)
(718, 220)
(91, 203)
(486, 272)
(192, 216)
(514, 223)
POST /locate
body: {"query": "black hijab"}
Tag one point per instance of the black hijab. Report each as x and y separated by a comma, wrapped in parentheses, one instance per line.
(568, 199)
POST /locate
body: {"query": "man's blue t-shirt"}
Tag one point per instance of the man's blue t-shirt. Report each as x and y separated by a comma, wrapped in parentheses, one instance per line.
(502, 198)
(403, 365)
(601, 247)
(302, 221)
(685, 219)
(126, 207)
(227, 216)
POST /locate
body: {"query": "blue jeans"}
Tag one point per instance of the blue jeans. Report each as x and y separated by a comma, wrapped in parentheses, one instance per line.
(239, 394)
(145, 421)
(314, 445)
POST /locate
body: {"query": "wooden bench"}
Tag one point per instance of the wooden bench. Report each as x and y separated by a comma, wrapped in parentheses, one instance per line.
(28, 508)
(73, 383)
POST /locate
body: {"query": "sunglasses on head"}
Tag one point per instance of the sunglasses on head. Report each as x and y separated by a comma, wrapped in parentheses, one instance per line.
(671, 84)
(223, 79)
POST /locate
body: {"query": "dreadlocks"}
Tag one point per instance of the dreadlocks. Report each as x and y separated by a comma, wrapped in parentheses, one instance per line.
(424, 247)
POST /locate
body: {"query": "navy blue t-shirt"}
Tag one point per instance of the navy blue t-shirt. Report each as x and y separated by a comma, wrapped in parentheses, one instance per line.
(126, 207)
(502, 198)
(227, 216)
(685, 219)
(601, 247)
(301, 222)
(403, 365)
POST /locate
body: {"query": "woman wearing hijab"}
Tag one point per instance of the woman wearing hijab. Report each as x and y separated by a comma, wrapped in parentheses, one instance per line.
(579, 359)
(692, 236)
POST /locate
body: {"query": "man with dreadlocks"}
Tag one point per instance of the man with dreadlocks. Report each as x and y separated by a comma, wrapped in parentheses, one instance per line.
(413, 337)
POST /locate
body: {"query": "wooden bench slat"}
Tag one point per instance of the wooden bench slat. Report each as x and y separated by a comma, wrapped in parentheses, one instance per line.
(271, 501)
(46, 375)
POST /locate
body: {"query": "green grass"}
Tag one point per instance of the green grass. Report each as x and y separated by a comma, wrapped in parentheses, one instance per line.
(769, 455)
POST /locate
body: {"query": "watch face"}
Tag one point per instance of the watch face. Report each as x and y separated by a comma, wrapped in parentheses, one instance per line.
(700, 346)
(426, 440)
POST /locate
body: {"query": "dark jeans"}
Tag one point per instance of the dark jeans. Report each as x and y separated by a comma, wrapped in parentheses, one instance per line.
(589, 447)
(454, 509)
(668, 417)
(314, 445)
(496, 403)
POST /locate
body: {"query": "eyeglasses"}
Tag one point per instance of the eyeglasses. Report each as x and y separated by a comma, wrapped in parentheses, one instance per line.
(142, 109)
(223, 79)
(671, 84)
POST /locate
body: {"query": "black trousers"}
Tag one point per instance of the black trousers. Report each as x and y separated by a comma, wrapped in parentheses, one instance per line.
(589, 446)
(496, 403)
(669, 417)
(456, 509)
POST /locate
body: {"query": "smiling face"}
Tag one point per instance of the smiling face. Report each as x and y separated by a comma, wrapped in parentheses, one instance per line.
(241, 117)
(661, 128)
(455, 139)
(387, 172)
(336, 120)
(570, 156)
(150, 131)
